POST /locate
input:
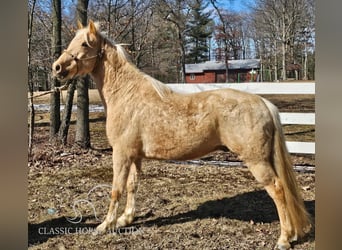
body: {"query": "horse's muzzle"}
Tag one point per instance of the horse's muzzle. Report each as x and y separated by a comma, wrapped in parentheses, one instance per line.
(58, 72)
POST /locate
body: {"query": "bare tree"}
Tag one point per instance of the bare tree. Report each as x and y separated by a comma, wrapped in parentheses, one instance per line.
(66, 117)
(231, 35)
(30, 82)
(41, 45)
(82, 126)
(224, 31)
(280, 20)
(56, 51)
(162, 55)
(177, 13)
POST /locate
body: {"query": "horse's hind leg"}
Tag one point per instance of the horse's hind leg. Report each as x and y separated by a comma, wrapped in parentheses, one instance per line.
(132, 183)
(264, 174)
(121, 165)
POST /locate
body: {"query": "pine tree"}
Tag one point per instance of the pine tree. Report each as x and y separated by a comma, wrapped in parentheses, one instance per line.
(199, 31)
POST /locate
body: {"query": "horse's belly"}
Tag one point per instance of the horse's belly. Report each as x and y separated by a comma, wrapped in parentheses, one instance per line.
(179, 147)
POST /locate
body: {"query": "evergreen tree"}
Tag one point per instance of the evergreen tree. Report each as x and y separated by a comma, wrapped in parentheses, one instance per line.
(199, 31)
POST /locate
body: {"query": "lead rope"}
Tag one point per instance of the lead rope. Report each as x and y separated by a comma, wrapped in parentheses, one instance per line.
(66, 85)
(55, 89)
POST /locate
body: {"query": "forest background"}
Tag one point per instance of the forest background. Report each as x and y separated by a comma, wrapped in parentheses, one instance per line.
(165, 35)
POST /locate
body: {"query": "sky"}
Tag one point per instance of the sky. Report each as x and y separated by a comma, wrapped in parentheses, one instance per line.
(236, 5)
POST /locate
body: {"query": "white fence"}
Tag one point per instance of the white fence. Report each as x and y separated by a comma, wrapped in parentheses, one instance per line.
(268, 88)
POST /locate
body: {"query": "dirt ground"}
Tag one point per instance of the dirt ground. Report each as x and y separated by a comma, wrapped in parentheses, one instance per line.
(179, 205)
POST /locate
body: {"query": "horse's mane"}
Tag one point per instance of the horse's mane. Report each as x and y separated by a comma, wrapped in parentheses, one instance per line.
(162, 89)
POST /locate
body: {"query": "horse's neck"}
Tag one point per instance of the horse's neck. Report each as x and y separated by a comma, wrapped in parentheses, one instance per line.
(107, 74)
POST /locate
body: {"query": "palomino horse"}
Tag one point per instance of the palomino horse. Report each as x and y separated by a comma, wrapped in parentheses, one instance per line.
(146, 119)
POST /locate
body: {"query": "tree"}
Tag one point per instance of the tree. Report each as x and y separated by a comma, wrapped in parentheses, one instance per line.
(56, 51)
(224, 30)
(139, 36)
(65, 123)
(82, 125)
(165, 52)
(199, 31)
(281, 22)
(177, 12)
(265, 39)
(30, 82)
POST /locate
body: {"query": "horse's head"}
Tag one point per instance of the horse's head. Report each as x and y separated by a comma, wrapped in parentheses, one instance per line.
(81, 55)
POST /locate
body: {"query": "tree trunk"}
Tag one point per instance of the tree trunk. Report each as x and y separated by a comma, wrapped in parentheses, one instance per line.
(283, 44)
(82, 125)
(261, 70)
(305, 77)
(64, 128)
(32, 117)
(283, 61)
(30, 83)
(226, 45)
(109, 7)
(275, 62)
(183, 77)
(56, 51)
(226, 57)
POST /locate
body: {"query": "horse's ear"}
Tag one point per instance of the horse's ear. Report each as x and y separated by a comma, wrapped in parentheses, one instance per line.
(79, 25)
(92, 27)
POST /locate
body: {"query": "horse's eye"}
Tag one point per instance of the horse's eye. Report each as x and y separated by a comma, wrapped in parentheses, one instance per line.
(84, 44)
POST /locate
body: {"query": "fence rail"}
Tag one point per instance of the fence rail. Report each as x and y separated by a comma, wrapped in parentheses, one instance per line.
(268, 88)
(256, 88)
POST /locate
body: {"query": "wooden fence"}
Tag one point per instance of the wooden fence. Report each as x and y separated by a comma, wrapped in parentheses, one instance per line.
(268, 88)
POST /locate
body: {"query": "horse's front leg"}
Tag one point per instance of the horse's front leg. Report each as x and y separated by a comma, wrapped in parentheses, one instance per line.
(132, 183)
(121, 165)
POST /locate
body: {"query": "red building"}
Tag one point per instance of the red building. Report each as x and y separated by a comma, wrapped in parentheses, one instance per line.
(215, 72)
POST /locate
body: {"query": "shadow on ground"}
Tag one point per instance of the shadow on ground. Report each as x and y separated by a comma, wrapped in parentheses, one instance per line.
(42, 232)
(254, 206)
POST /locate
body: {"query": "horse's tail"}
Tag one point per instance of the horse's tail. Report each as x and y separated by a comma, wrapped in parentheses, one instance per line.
(299, 217)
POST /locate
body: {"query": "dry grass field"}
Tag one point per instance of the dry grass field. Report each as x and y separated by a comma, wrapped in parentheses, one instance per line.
(179, 205)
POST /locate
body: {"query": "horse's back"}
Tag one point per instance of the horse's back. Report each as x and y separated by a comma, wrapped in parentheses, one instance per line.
(188, 126)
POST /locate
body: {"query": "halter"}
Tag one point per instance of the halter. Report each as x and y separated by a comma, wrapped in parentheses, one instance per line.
(74, 57)
(99, 54)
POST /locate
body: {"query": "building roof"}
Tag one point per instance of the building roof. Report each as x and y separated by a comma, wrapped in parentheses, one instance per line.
(213, 65)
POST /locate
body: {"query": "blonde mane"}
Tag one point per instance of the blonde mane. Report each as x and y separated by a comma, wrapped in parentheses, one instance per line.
(162, 89)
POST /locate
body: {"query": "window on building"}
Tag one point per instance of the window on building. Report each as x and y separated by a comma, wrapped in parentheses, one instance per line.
(192, 77)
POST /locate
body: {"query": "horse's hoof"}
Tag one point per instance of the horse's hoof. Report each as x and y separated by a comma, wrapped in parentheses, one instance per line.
(124, 220)
(282, 246)
(294, 238)
(101, 229)
(121, 223)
